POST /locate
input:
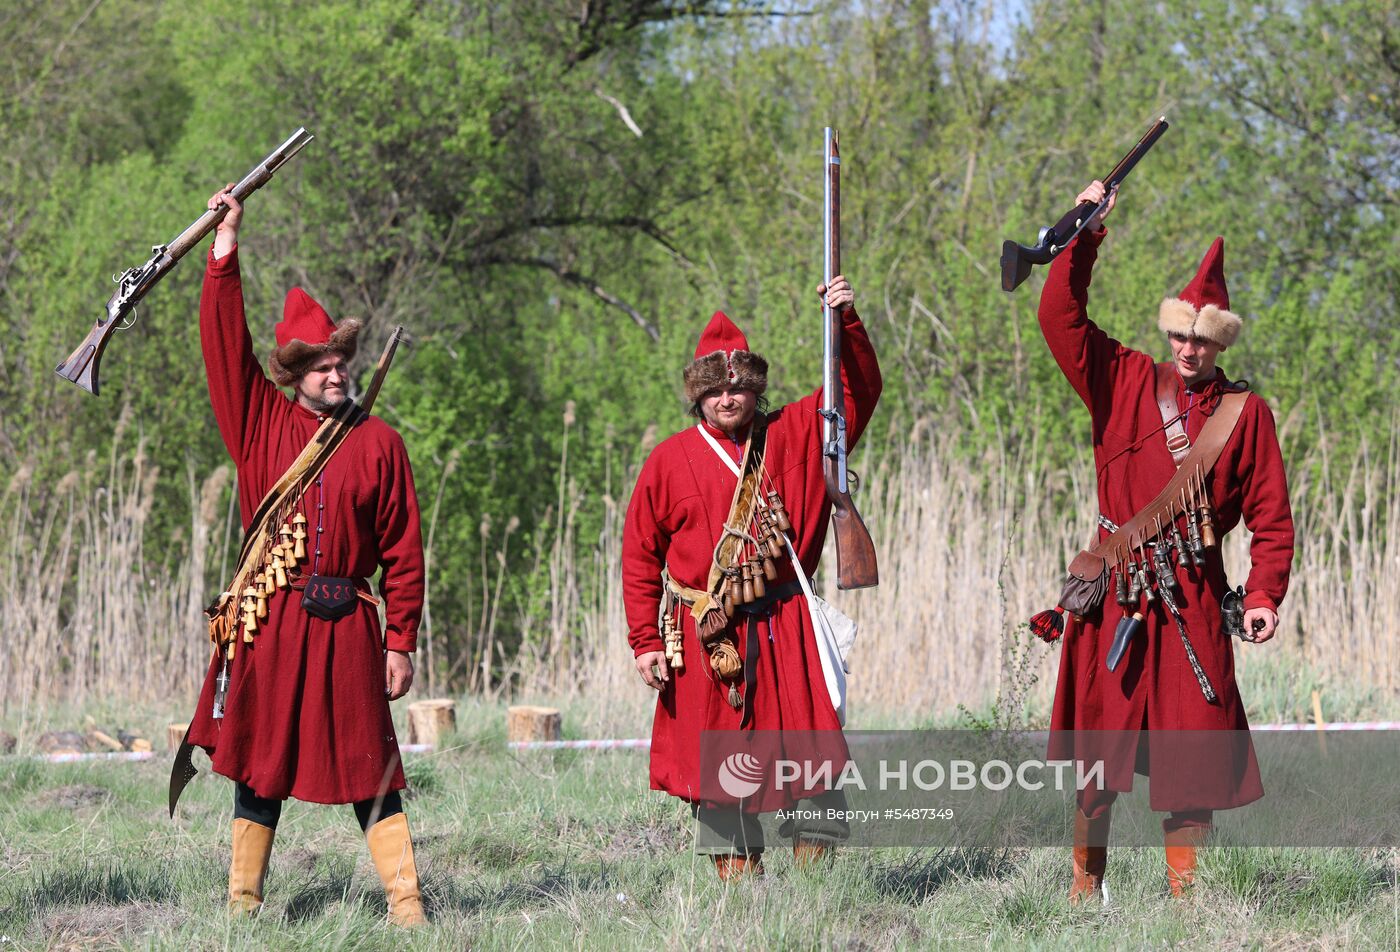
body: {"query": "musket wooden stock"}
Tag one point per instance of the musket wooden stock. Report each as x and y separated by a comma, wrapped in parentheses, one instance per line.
(855, 550)
(81, 365)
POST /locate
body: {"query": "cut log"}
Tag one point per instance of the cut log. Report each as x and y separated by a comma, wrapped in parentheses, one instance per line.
(429, 720)
(525, 722)
(98, 738)
(175, 735)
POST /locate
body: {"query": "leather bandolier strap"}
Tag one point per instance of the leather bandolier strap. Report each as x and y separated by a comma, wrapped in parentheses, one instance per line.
(1109, 553)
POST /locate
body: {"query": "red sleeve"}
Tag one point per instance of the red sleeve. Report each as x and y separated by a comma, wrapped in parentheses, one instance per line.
(644, 545)
(860, 376)
(1088, 357)
(400, 538)
(1266, 513)
(238, 389)
(860, 381)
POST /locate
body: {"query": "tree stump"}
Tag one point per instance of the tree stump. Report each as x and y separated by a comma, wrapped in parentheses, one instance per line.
(428, 720)
(175, 735)
(525, 722)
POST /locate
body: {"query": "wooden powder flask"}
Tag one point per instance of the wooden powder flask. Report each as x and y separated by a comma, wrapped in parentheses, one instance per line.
(299, 537)
(756, 573)
(779, 512)
(250, 609)
(1121, 585)
(260, 583)
(1207, 526)
(726, 592)
(288, 546)
(770, 569)
(279, 570)
(747, 584)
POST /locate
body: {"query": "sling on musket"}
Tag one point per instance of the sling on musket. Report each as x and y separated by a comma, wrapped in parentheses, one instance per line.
(855, 551)
(81, 365)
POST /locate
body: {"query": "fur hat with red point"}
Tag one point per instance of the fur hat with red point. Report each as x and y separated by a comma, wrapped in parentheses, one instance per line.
(305, 334)
(1203, 307)
(723, 359)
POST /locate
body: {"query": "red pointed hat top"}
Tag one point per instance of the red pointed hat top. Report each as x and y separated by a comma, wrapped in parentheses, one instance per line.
(1208, 286)
(720, 334)
(304, 320)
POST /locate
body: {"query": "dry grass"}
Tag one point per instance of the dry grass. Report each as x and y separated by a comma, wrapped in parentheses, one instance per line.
(969, 548)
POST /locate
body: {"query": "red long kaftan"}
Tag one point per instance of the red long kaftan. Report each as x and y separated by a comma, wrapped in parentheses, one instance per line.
(678, 508)
(1154, 685)
(306, 715)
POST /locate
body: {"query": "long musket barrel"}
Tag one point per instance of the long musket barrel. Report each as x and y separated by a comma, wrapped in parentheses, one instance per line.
(833, 417)
(855, 551)
(134, 283)
(1017, 259)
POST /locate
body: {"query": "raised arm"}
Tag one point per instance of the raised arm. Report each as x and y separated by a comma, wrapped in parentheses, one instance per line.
(1087, 356)
(240, 392)
(861, 382)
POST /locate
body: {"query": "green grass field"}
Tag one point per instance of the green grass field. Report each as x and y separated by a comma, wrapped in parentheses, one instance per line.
(570, 849)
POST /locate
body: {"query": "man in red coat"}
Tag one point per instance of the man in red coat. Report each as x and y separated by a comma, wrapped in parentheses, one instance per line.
(769, 675)
(306, 712)
(1155, 686)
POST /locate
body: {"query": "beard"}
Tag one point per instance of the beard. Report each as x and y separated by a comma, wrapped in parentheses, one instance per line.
(320, 403)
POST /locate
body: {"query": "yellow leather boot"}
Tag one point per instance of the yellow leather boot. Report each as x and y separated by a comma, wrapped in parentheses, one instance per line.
(391, 848)
(252, 848)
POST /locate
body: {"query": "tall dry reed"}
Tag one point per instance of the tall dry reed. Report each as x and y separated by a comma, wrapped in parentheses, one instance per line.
(92, 608)
(87, 609)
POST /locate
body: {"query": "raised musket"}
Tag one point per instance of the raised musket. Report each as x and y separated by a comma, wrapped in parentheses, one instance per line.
(134, 283)
(855, 550)
(1017, 259)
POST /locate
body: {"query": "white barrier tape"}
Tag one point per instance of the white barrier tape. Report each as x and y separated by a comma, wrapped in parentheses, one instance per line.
(1340, 726)
(631, 742)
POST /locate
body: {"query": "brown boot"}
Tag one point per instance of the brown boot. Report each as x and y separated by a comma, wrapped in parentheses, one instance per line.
(808, 852)
(1090, 857)
(391, 848)
(252, 847)
(1180, 846)
(735, 866)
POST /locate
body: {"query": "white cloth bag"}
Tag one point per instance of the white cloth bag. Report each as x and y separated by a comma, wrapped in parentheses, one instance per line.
(835, 634)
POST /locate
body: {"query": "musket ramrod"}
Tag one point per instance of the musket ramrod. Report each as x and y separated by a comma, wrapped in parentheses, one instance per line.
(855, 551)
(132, 285)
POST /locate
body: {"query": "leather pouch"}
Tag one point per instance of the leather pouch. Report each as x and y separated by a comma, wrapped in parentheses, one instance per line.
(329, 598)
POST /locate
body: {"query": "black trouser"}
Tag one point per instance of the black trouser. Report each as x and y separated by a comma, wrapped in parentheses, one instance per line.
(247, 805)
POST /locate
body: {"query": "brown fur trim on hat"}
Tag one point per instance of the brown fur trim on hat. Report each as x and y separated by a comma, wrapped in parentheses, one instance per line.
(711, 372)
(1209, 323)
(288, 364)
